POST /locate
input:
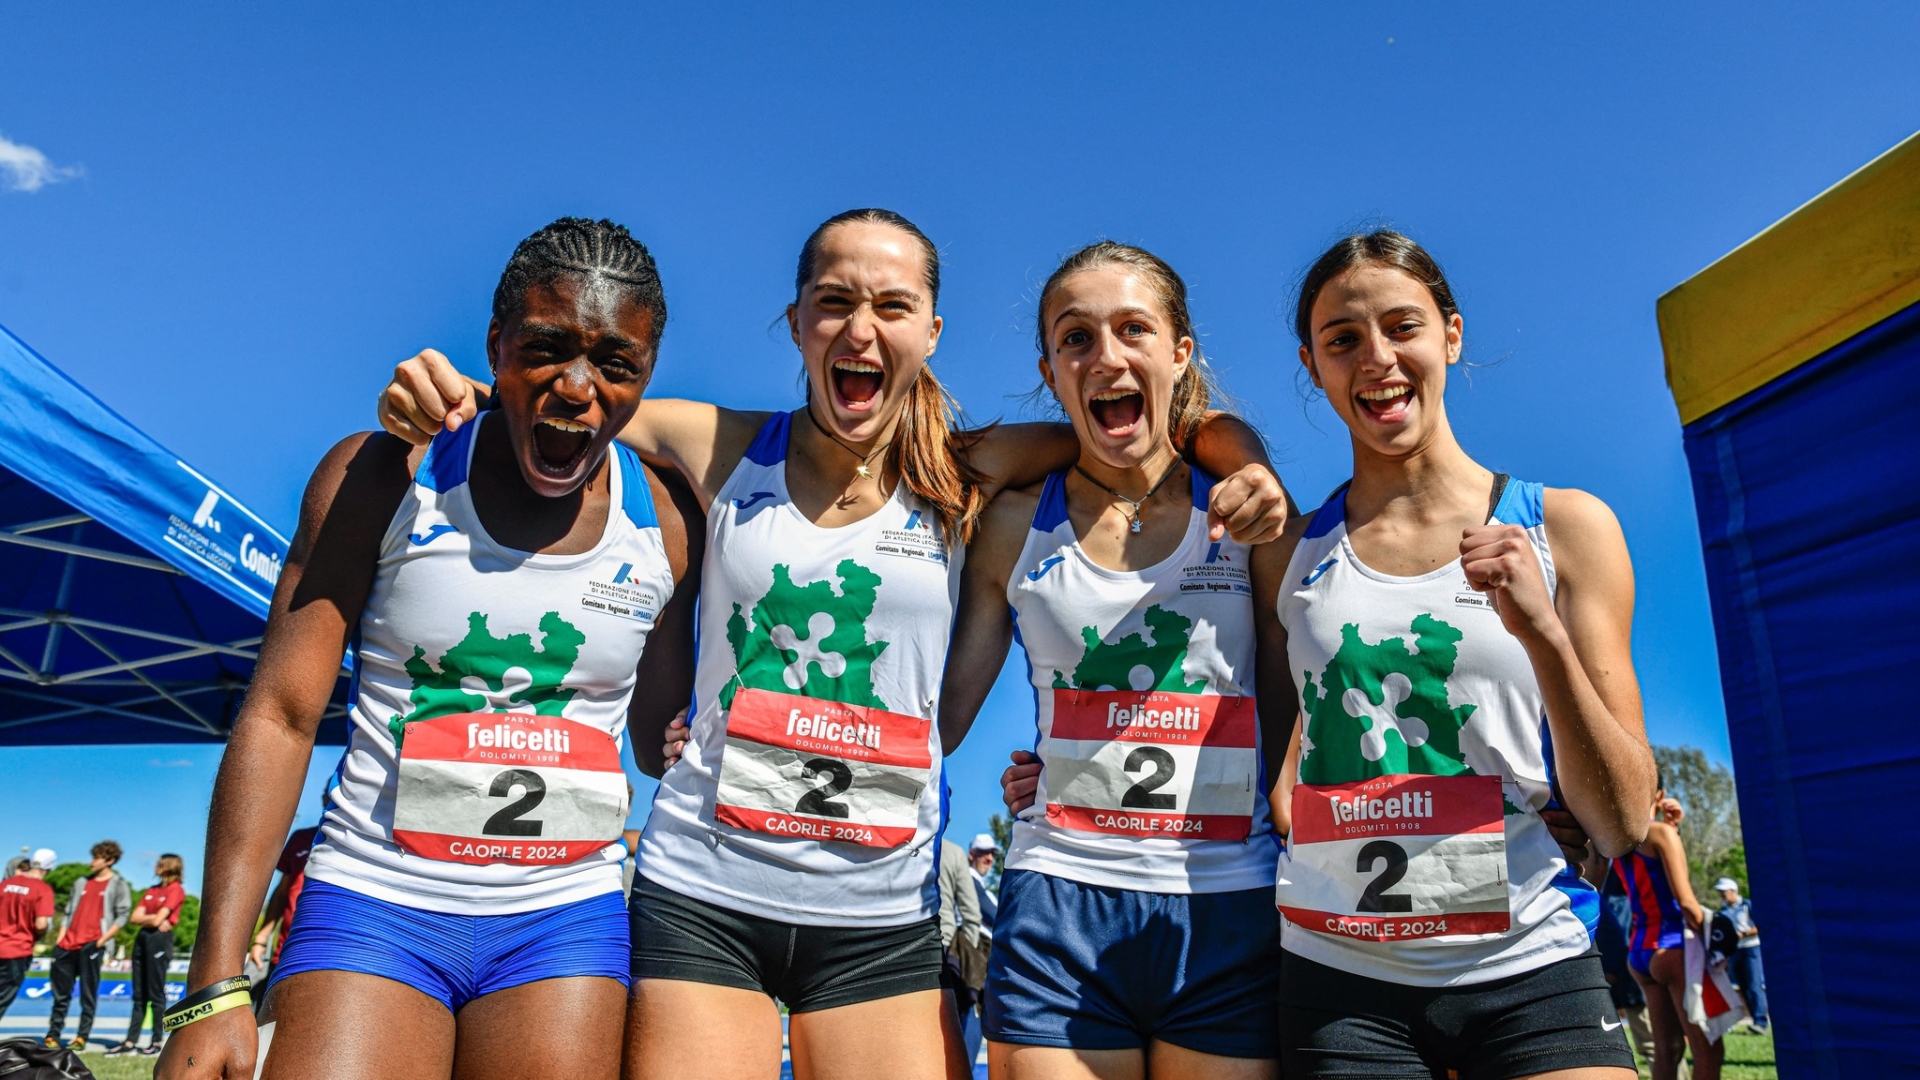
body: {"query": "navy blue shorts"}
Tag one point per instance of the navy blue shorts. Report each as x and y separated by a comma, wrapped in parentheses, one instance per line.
(1095, 968)
(454, 958)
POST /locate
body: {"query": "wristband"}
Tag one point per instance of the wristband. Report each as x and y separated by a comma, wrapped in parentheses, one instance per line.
(208, 1000)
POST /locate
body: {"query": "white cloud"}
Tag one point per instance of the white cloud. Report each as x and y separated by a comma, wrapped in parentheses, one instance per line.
(176, 763)
(24, 168)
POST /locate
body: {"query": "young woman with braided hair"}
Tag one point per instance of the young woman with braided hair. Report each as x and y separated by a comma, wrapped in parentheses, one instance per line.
(789, 856)
(462, 913)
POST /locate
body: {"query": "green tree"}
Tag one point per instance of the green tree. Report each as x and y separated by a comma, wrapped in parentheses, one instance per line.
(1711, 829)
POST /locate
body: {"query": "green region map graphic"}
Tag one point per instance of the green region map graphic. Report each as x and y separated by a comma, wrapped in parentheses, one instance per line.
(1134, 662)
(809, 639)
(483, 673)
(1381, 710)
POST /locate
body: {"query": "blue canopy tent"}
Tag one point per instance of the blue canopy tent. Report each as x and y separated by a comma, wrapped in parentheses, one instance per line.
(1790, 359)
(133, 589)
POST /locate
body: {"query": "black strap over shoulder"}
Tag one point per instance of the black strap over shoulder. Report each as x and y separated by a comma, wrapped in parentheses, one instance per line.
(1500, 482)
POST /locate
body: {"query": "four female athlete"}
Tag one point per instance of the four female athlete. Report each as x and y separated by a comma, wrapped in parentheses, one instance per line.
(1661, 914)
(790, 853)
(1456, 644)
(1135, 934)
(498, 588)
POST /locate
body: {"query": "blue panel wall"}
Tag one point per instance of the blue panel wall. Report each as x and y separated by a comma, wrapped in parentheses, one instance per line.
(1808, 492)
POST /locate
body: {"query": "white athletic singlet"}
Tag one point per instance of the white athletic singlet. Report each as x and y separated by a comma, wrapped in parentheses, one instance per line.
(1418, 855)
(810, 790)
(1143, 692)
(490, 686)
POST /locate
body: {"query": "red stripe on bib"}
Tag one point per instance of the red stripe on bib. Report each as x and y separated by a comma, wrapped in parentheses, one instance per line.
(1402, 805)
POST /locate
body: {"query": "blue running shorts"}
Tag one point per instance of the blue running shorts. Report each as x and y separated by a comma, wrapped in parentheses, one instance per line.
(1096, 968)
(454, 958)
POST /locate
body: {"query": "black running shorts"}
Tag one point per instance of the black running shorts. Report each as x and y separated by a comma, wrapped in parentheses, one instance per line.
(806, 967)
(1337, 1024)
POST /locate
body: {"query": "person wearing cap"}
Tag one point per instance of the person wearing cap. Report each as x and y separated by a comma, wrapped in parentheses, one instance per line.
(981, 855)
(26, 910)
(96, 911)
(1743, 963)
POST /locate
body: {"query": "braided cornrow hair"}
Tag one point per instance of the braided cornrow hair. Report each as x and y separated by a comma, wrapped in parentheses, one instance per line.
(589, 248)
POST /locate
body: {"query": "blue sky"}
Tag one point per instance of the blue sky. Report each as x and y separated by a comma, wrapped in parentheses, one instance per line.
(246, 216)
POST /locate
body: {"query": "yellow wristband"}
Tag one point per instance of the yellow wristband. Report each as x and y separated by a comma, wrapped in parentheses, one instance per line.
(232, 999)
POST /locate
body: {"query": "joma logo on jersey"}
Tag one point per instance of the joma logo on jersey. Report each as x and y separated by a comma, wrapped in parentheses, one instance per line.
(1045, 565)
(819, 727)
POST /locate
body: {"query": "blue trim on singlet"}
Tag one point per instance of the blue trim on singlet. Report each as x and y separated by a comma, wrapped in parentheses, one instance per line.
(1202, 489)
(1053, 504)
(1331, 513)
(445, 466)
(636, 493)
(770, 444)
(1521, 504)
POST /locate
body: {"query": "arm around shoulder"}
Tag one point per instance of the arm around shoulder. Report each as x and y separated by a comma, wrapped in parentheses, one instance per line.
(983, 625)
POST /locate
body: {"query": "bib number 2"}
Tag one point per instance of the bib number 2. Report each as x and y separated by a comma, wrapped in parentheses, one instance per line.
(1149, 763)
(517, 788)
(1398, 857)
(810, 769)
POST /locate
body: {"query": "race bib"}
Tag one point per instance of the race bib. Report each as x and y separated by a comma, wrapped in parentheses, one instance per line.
(822, 770)
(1398, 857)
(515, 788)
(1149, 763)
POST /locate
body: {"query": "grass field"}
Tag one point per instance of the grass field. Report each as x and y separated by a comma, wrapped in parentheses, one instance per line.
(1749, 1057)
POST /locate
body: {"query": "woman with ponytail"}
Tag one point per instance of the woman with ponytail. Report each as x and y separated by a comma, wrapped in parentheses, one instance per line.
(791, 852)
(1136, 935)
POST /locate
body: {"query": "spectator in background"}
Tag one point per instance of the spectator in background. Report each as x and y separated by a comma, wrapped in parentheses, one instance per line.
(96, 910)
(981, 855)
(158, 912)
(26, 910)
(1744, 958)
(964, 969)
(277, 918)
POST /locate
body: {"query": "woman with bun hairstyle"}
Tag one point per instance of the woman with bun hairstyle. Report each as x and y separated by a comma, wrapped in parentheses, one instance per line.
(790, 856)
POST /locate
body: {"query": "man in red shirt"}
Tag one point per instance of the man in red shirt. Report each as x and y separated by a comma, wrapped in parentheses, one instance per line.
(96, 910)
(26, 908)
(277, 919)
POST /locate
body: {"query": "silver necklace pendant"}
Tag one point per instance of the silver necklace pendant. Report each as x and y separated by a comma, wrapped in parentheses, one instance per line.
(864, 471)
(1135, 525)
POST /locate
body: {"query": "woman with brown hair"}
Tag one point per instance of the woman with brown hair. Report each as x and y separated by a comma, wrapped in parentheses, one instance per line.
(156, 915)
(790, 850)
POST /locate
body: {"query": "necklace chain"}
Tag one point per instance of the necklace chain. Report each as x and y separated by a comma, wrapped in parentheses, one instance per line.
(865, 461)
(1134, 523)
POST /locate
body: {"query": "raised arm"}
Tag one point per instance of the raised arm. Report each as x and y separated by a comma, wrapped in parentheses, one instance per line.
(1249, 500)
(983, 625)
(1665, 841)
(701, 442)
(316, 607)
(1580, 643)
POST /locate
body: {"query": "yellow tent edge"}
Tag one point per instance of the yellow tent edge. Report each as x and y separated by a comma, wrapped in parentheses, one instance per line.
(1847, 259)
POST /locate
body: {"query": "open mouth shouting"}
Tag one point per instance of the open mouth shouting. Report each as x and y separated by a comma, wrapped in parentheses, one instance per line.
(1116, 411)
(560, 446)
(856, 382)
(1386, 404)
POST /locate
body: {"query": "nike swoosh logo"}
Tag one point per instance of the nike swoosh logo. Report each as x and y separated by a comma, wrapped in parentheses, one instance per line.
(1317, 571)
(434, 532)
(1046, 565)
(742, 504)
(1615, 1026)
